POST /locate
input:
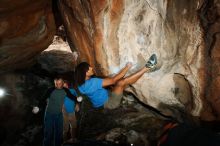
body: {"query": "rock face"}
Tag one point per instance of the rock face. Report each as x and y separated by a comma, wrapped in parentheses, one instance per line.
(211, 24)
(109, 33)
(58, 57)
(26, 29)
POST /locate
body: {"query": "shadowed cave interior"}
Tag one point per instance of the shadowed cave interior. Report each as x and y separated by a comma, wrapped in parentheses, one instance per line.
(42, 39)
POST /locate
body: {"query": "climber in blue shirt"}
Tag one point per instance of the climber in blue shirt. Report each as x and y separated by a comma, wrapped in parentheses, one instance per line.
(94, 88)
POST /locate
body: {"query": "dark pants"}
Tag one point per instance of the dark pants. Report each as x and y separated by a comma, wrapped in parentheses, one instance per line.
(53, 129)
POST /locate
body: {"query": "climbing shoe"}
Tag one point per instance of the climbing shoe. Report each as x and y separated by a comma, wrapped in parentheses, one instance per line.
(152, 62)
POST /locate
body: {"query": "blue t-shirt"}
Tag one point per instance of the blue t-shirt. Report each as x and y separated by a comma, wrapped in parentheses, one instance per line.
(69, 104)
(94, 90)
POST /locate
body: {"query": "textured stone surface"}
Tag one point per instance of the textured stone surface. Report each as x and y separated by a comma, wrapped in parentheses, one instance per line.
(149, 29)
(130, 31)
(58, 57)
(26, 29)
(124, 125)
(77, 17)
(211, 25)
(108, 33)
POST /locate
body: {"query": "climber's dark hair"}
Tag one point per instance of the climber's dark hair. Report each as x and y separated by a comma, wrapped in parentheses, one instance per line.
(80, 73)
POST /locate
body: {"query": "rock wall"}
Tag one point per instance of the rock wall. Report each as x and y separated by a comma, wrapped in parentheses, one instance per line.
(26, 29)
(58, 58)
(117, 32)
(209, 15)
(109, 33)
